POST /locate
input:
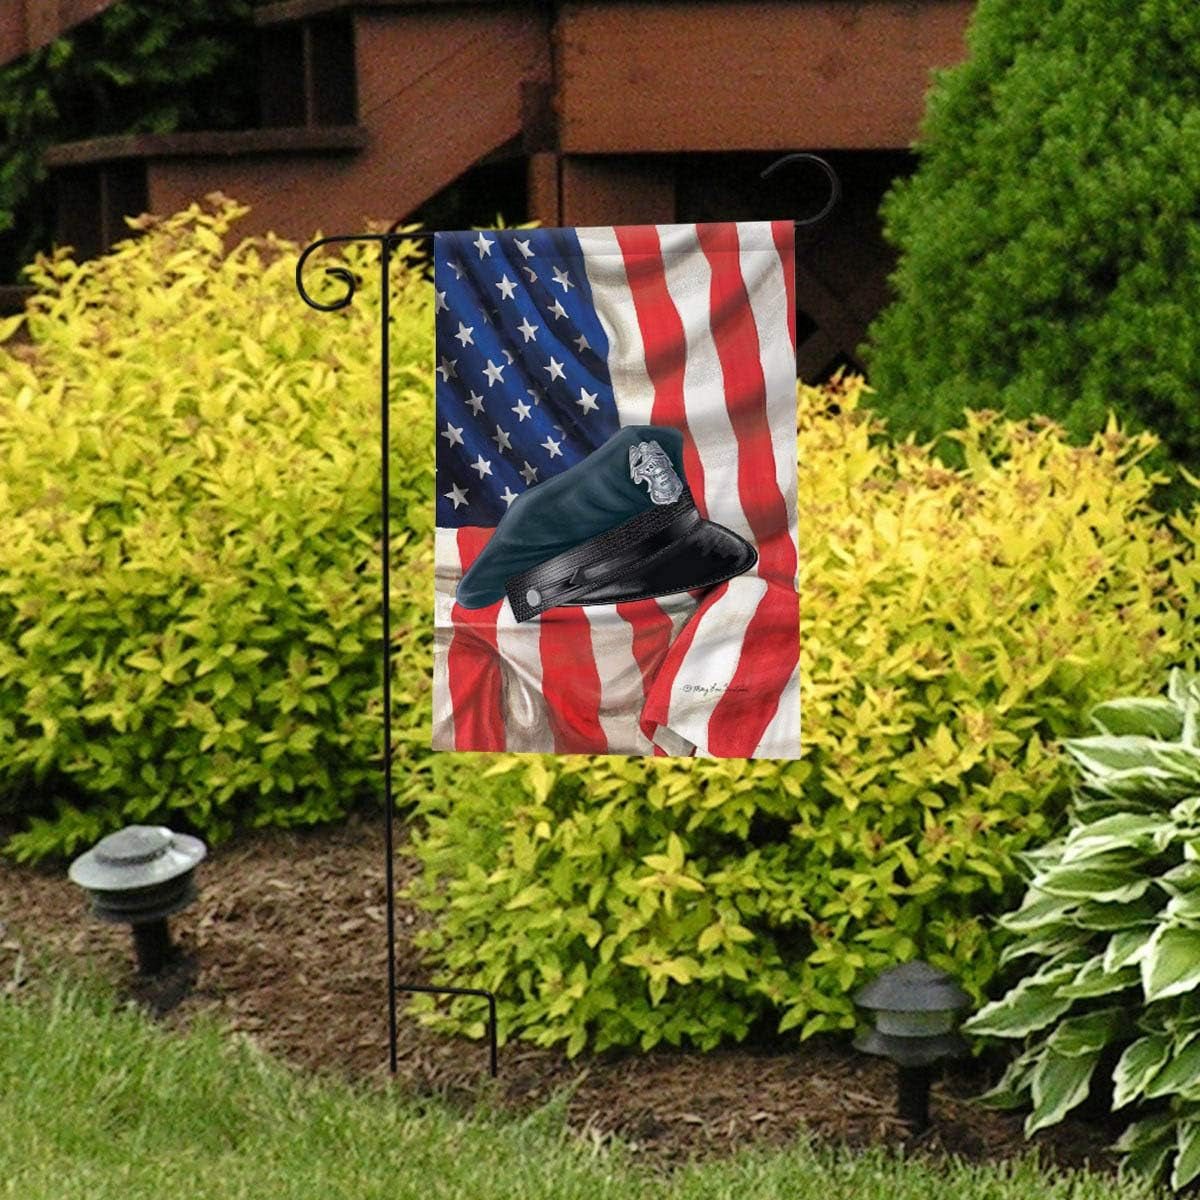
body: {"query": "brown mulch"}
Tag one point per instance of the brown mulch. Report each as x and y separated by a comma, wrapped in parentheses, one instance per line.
(287, 943)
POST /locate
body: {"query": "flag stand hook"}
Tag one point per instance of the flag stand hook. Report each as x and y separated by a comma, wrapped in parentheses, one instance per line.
(389, 243)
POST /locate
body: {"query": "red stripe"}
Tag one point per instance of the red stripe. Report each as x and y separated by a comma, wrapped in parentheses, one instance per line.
(651, 637)
(657, 710)
(571, 682)
(473, 662)
(663, 342)
(771, 644)
(784, 233)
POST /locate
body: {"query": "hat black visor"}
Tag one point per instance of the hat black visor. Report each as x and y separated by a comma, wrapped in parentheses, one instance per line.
(707, 554)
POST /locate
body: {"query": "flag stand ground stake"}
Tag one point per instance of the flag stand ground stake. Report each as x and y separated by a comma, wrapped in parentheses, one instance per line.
(388, 243)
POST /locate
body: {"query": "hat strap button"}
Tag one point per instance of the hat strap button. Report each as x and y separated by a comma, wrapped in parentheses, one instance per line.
(533, 597)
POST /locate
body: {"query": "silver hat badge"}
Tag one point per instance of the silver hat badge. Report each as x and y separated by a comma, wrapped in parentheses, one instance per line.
(649, 464)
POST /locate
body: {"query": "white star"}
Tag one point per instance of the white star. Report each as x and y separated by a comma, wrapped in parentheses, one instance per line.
(476, 402)
(456, 267)
(531, 273)
(501, 439)
(582, 343)
(528, 332)
(507, 287)
(464, 334)
(563, 277)
(529, 474)
(523, 246)
(508, 495)
(555, 368)
(587, 400)
(522, 410)
(493, 373)
(508, 356)
(439, 302)
(537, 392)
(551, 447)
(486, 319)
(483, 245)
(456, 494)
(482, 465)
(557, 309)
(448, 369)
(452, 435)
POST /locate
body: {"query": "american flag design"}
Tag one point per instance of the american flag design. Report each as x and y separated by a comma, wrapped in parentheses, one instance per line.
(548, 341)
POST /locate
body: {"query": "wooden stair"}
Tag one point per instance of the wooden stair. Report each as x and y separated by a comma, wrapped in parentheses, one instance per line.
(366, 110)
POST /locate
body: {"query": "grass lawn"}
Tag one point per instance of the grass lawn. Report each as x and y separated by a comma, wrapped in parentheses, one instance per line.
(96, 1102)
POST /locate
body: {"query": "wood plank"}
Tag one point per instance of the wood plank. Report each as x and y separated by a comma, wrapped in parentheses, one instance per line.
(755, 74)
(544, 204)
(438, 91)
(616, 191)
(298, 10)
(300, 139)
(27, 25)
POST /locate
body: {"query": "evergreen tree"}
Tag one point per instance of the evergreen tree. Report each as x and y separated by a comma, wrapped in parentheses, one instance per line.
(1050, 237)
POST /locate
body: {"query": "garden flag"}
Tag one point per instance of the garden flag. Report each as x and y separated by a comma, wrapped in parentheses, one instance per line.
(616, 559)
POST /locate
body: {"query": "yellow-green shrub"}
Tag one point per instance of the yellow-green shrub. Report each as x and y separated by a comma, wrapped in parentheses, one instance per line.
(189, 567)
(954, 625)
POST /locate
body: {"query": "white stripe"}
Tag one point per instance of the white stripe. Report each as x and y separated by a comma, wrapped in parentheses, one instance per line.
(446, 574)
(689, 279)
(707, 671)
(621, 693)
(526, 720)
(781, 738)
(633, 390)
(766, 287)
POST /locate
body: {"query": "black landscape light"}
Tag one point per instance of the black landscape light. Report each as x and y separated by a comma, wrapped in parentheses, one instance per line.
(140, 876)
(915, 1009)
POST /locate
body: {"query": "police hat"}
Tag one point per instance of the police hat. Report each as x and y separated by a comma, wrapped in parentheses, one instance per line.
(621, 525)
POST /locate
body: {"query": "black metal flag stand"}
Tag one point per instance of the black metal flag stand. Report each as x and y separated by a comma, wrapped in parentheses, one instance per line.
(389, 243)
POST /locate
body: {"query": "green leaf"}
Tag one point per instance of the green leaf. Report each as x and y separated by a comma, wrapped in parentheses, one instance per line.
(1140, 1062)
(1093, 980)
(1118, 917)
(1055, 942)
(1012, 1089)
(1108, 759)
(1181, 1070)
(1028, 1007)
(1153, 717)
(1116, 832)
(1087, 1033)
(1171, 963)
(1126, 948)
(1146, 1145)
(1094, 883)
(1183, 909)
(1187, 1162)
(1037, 910)
(1059, 1083)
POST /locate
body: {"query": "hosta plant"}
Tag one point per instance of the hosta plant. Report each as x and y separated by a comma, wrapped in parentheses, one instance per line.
(1109, 931)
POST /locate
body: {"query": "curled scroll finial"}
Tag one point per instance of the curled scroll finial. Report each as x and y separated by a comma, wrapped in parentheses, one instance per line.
(342, 273)
(835, 186)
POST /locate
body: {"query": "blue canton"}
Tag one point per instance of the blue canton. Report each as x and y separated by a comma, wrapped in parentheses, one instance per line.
(523, 390)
